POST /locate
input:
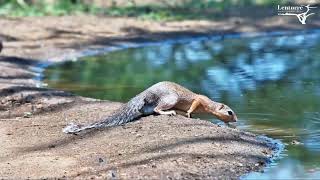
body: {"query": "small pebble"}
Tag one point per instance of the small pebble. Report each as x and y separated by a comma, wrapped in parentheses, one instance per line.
(51, 146)
(101, 160)
(264, 152)
(312, 170)
(295, 142)
(39, 106)
(113, 174)
(27, 114)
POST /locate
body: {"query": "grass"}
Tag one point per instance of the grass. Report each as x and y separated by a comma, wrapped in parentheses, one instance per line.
(16, 8)
(157, 13)
(191, 9)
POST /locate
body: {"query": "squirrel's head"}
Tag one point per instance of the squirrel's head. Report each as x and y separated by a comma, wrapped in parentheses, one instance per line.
(224, 113)
(220, 110)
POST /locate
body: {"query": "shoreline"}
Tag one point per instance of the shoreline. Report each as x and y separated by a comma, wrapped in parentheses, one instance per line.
(278, 148)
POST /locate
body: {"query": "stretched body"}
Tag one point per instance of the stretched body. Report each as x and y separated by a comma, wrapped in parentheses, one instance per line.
(162, 98)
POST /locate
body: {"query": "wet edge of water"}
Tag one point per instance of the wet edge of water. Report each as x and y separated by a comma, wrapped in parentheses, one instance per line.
(277, 148)
(276, 145)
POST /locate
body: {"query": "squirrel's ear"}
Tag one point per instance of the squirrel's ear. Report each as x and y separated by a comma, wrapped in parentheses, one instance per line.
(222, 106)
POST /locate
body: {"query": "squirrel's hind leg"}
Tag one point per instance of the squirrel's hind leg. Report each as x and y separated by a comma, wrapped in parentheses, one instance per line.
(165, 103)
(171, 112)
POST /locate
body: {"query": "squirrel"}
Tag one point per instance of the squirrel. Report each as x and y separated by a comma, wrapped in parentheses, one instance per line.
(163, 98)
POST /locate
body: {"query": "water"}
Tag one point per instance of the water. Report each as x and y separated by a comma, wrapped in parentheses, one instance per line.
(273, 83)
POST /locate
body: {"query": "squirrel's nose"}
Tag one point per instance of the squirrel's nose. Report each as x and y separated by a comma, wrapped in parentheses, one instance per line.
(235, 118)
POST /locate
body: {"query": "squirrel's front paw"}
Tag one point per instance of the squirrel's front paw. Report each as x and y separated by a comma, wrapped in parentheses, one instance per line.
(172, 113)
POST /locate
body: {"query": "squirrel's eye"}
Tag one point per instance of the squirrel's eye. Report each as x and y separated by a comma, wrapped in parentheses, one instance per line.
(230, 113)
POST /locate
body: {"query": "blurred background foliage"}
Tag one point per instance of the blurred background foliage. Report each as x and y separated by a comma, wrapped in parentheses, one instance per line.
(145, 9)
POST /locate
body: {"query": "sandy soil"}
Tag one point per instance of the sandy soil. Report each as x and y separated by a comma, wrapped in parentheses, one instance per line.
(33, 146)
(152, 148)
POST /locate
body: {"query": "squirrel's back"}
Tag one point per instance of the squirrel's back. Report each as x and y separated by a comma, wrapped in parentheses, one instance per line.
(165, 87)
(142, 104)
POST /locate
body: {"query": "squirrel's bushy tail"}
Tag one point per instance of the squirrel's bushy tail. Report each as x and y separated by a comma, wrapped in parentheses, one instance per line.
(124, 114)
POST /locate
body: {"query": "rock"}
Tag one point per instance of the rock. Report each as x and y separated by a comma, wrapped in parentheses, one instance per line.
(296, 142)
(39, 106)
(240, 164)
(100, 160)
(27, 115)
(28, 99)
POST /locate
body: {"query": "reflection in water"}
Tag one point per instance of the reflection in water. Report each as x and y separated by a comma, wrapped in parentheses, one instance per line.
(271, 82)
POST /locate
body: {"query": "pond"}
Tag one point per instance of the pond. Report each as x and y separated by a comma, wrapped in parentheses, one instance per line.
(272, 82)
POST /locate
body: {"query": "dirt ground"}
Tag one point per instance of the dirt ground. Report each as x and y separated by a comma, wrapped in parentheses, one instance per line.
(33, 146)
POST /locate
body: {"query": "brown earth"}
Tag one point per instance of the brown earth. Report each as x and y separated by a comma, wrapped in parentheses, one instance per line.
(33, 146)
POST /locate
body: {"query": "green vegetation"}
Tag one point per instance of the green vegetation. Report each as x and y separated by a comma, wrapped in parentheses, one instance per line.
(17, 8)
(190, 9)
(176, 10)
